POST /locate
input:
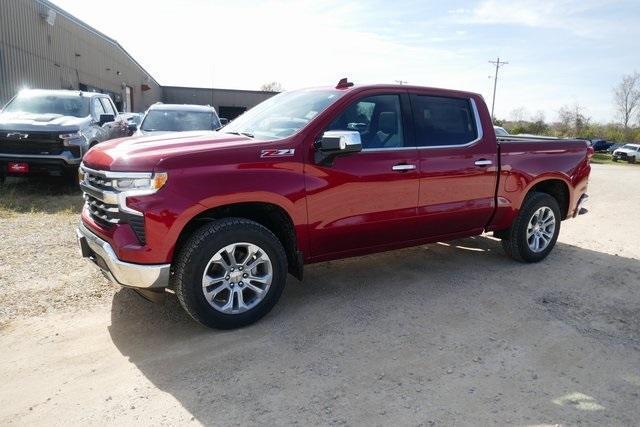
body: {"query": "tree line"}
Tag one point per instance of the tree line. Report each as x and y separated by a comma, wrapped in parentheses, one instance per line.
(574, 121)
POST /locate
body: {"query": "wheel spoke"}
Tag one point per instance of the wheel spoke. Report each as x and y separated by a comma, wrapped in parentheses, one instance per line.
(261, 279)
(229, 304)
(241, 304)
(254, 288)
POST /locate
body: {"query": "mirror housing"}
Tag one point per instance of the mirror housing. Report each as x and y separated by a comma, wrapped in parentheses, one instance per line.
(106, 118)
(336, 143)
(224, 121)
(132, 128)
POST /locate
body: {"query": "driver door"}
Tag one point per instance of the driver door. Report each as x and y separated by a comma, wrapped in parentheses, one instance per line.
(367, 200)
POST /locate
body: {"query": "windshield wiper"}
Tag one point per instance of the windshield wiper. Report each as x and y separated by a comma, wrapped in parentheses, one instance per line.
(250, 135)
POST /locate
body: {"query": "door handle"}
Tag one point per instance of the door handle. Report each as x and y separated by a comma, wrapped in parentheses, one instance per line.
(483, 162)
(403, 167)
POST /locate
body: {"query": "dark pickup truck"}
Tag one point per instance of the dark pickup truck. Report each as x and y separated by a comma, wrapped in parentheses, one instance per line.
(314, 175)
(48, 131)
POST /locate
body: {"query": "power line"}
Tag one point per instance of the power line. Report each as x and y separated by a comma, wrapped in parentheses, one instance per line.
(498, 64)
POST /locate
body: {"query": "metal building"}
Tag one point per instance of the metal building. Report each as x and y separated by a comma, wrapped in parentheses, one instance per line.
(43, 46)
(229, 103)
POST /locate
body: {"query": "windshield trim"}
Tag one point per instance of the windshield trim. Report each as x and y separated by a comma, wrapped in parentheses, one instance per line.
(339, 95)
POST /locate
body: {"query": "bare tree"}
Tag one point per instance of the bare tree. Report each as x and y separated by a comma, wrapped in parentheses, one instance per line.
(573, 119)
(519, 114)
(626, 97)
(538, 117)
(272, 87)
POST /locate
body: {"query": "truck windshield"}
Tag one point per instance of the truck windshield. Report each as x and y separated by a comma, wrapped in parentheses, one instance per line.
(283, 115)
(179, 121)
(64, 105)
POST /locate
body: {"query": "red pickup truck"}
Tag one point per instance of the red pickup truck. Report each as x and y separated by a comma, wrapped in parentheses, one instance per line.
(314, 175)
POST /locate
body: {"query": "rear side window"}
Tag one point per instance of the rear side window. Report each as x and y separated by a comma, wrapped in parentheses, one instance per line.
(441, 121)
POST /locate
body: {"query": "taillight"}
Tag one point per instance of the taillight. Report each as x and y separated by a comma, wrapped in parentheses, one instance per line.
(590, 152)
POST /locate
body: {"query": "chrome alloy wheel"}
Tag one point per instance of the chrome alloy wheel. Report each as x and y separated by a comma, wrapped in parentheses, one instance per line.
(237, 278)
(540, 229)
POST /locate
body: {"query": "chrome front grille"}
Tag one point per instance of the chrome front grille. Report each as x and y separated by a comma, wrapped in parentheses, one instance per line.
(102, 203)
(100, 211)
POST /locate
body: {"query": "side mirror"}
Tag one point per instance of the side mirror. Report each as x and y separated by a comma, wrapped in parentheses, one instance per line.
(106, 118)
(336, 143)
(224, 121)
(132, 128)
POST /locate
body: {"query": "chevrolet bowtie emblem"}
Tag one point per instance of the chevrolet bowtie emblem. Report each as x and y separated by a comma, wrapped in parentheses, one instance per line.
(17, 135)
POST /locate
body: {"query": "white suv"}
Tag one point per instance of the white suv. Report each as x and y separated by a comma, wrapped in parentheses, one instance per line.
(629, 152)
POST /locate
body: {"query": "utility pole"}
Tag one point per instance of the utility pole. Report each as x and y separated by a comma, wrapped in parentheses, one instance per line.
(498, 64)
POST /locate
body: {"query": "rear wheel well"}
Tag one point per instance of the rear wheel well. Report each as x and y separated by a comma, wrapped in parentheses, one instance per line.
(268, 215)
(558, 190)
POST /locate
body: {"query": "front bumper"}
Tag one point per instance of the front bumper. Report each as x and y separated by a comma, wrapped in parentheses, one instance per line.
(41, 164)
(127, 274)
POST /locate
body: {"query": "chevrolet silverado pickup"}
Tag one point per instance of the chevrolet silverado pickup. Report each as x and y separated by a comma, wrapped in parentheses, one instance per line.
(311, 175)
(48, 131)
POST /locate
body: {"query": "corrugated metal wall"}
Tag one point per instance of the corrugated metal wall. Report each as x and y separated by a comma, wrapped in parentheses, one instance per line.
(215, 97)
(36, 54)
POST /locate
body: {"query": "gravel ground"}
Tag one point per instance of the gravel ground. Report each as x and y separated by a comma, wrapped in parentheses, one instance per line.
(441, 334)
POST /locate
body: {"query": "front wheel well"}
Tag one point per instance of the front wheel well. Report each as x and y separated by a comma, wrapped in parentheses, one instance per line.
(271, 216)
(557, 189)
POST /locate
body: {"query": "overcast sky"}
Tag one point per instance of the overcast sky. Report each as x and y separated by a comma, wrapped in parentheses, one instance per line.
(559, 52)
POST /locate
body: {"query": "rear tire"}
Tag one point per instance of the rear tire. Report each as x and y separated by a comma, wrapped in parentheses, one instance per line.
(230, 273)
(535, 230)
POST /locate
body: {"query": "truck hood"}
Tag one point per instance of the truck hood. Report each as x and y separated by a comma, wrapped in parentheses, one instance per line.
(143, 153)
(42, 122)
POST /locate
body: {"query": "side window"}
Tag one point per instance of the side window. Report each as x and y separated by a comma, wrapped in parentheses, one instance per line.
(378, 119)
(443, 121)
(97, 108)
(108, 108)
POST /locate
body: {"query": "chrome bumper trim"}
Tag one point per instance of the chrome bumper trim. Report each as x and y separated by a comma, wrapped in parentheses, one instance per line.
(66, 156)
(123, 273)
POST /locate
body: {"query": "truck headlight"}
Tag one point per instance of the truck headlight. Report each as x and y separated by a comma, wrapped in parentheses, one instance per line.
(154, 183)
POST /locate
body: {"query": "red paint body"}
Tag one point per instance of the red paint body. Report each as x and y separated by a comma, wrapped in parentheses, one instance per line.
(357, 205)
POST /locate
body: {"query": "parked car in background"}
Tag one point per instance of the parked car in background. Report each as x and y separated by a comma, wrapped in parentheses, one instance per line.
(161, 118)
(500, 131)
(49, 131)
(600, 145)
(133, 121)
(314, 175)
(628, 152)
(614, 147)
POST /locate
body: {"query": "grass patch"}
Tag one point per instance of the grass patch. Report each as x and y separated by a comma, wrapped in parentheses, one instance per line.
(46, 195)
(606, 159)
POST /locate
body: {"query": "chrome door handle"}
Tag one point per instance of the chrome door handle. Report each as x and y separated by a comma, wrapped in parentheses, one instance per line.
(403, 167)
(483, 162)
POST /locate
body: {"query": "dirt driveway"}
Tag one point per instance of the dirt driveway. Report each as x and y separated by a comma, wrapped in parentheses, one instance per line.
(439, 334)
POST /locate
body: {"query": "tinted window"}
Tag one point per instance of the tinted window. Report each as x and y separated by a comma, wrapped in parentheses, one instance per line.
(107, 106)
(443, 121)
(377, 118)
(64, 105)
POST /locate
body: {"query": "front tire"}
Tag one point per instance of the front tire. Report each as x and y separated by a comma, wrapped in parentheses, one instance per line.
(230, 273)
(535, 230)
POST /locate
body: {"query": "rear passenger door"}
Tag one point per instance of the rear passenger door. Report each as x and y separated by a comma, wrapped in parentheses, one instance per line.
(458, 165)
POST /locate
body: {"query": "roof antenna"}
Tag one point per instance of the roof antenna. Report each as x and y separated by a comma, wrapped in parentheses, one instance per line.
(344, 83)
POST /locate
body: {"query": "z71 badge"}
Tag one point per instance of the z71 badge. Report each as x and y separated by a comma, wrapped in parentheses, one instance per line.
(278, 152)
